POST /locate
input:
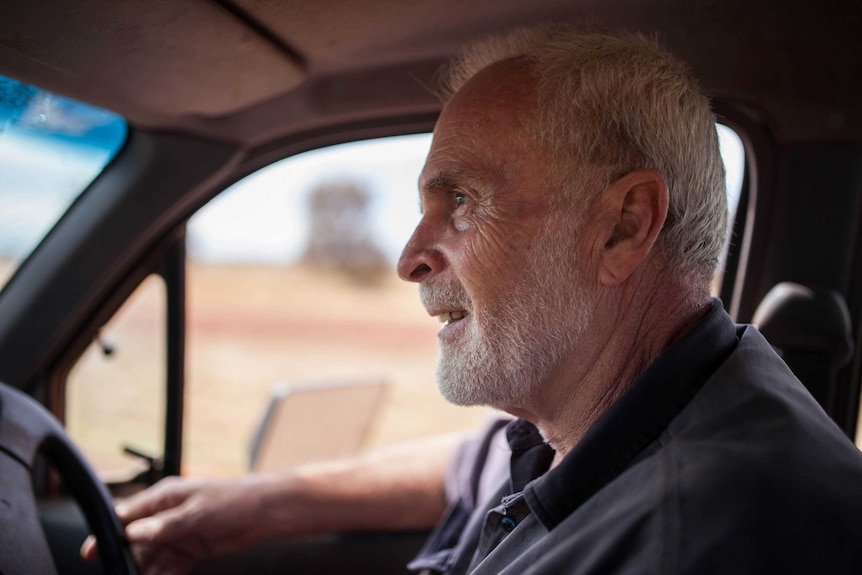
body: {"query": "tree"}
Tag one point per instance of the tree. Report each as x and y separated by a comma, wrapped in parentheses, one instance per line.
(340, 236)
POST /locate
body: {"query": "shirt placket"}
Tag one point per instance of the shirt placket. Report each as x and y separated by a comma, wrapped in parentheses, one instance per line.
(499, 523)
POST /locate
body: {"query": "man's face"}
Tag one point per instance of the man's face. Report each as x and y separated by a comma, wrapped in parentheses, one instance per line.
(492, 260)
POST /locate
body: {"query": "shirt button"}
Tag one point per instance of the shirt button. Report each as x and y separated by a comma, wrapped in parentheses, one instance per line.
(508, 524)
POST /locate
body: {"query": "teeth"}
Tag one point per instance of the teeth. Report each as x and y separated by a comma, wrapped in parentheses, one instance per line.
(450, 316)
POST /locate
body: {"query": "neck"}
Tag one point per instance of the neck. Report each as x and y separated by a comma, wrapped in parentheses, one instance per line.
(631, 328)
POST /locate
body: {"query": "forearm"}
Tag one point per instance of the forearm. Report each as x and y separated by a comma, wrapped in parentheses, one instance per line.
(395, 488)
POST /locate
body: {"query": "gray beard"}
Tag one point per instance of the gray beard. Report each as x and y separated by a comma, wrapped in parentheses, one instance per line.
(509, 351)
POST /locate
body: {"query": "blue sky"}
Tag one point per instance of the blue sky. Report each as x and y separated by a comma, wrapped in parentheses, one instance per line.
(40, 176)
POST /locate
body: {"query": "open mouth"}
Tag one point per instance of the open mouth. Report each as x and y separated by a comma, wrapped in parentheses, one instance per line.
(449, 317)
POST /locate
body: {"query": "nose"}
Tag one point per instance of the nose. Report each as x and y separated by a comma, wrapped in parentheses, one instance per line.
(420, 259)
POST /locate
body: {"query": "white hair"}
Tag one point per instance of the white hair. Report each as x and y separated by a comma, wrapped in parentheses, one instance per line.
(609, 104)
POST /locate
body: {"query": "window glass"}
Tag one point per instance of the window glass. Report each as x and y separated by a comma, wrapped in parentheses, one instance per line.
(733, 155)
(115, 394)
(294, 304)
(292, 286)
(51, 148)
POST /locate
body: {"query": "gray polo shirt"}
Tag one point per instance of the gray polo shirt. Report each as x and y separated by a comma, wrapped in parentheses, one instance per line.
(715, 460)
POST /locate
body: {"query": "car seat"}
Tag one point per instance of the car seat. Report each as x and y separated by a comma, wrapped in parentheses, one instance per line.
(810, 328)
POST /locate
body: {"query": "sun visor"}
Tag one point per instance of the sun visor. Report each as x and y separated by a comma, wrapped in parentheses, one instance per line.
(160, 57)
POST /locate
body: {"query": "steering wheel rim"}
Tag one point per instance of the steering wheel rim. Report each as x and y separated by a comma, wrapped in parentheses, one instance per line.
(27, 430)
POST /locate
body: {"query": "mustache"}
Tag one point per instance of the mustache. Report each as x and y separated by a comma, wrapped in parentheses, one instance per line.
(450, 295)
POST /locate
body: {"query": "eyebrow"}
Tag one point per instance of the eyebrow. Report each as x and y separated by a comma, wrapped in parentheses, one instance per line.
(442, 181)
(448, 178)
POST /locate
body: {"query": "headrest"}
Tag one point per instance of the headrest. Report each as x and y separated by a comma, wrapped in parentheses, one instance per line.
(795, 317)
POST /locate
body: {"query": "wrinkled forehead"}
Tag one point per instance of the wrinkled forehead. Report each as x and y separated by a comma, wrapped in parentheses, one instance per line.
(485, 124)
(502, 91)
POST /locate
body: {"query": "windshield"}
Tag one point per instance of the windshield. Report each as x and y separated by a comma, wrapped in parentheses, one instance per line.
(51, 149)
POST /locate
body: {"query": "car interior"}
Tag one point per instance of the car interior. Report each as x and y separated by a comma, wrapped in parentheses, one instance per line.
(185, 103)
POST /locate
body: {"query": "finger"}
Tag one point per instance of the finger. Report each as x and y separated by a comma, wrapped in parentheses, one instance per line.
(167, 493)
(89, 549)
(167, 527)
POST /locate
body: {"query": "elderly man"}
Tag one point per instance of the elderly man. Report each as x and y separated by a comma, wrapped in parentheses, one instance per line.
(573, 213)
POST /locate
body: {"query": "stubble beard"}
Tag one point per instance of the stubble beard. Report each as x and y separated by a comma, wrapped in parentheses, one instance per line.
(510, 349)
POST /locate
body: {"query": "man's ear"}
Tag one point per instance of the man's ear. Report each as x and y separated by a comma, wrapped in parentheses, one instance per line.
(634, 209)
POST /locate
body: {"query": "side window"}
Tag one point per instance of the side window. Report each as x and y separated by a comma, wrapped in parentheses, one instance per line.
(303, 343)
(733, 154)
(115, 394)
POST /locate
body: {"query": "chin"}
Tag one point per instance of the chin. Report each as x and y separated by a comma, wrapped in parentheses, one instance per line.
(497, 388)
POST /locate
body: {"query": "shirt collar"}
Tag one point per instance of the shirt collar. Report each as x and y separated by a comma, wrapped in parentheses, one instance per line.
(635, 420)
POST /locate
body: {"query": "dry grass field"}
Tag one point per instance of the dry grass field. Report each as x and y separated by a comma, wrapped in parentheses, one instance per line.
(250, 327)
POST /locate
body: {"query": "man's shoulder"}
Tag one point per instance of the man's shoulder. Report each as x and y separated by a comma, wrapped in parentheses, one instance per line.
(754, 414)
(753, 400)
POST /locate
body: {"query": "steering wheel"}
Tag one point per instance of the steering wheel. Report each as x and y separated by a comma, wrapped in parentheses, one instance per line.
(26, 430)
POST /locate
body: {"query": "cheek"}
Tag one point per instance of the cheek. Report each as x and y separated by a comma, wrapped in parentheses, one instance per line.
(490, 257)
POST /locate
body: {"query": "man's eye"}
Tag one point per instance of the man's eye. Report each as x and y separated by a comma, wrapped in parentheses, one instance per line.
(460, 198)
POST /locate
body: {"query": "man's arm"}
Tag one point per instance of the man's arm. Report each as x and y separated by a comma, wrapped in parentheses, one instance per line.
(178, 522)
